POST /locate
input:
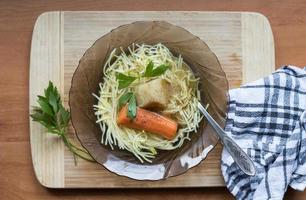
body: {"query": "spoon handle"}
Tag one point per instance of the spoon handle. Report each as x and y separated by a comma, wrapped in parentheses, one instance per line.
(240, 157)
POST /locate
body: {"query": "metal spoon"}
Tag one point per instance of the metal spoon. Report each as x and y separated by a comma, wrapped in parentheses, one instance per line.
(240, 157)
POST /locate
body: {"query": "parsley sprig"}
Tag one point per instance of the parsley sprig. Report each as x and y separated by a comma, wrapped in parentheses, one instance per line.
(51, 114)
(126, 80)
(129, 98)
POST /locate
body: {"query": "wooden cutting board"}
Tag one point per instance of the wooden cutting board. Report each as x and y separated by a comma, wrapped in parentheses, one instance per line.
(243, 42)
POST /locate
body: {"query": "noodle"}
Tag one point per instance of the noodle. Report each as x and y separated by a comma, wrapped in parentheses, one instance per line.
(182, 105)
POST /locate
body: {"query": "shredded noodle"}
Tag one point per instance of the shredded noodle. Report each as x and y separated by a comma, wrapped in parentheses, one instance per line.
(182, 105)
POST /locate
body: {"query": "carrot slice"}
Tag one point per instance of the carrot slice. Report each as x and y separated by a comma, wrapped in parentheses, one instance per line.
(149, 122)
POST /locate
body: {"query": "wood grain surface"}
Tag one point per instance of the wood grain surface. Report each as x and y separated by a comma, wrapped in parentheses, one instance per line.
(17, 19)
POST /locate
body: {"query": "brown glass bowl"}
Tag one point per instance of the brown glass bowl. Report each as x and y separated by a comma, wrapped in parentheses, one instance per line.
(88, 75)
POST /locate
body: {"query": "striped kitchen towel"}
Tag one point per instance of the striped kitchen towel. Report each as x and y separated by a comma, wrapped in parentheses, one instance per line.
(267, 119)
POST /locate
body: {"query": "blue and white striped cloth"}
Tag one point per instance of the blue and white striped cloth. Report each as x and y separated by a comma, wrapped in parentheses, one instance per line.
(267, 118)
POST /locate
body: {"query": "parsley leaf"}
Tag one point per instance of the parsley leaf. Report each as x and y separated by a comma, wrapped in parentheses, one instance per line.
(124, 80)
(124, 99)
(132, 109)
(129, 98)
(149, 69)
(45, 106)
(159, 70)
(152, 72)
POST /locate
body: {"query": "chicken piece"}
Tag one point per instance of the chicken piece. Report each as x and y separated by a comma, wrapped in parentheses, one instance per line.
(153, 95)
